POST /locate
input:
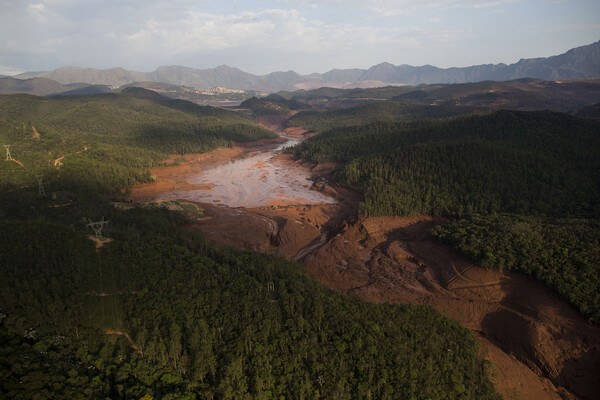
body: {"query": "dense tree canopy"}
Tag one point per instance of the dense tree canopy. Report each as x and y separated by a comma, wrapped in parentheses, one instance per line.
(321, 120)
(157, 311)
(531, 163)
(107, 142)
(205, 324)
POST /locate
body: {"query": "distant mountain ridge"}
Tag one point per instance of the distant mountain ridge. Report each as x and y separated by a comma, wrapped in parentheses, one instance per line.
(38, 86)
(577, 63)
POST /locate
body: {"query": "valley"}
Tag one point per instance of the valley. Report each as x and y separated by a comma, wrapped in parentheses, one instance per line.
(539, 345)
(325, 220)
(254, 196)
(300, 200)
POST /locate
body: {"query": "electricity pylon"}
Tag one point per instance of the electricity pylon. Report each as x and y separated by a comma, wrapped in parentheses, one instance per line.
(97, 227)
(41, 190)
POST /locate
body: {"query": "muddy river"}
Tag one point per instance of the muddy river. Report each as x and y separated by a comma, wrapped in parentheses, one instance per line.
(255, 178)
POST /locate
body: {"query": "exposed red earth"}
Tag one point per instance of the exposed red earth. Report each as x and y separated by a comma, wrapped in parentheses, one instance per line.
(540, 347)
(126, 336)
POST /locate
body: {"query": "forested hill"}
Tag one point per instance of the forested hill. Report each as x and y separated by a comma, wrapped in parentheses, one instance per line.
(102, 107)
(134, 112)
(106, 142)
(272, 104)
(322, 120)
(527, 162)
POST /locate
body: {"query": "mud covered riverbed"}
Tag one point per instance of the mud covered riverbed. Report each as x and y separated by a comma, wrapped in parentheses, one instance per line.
(253, 179)
(255, 198)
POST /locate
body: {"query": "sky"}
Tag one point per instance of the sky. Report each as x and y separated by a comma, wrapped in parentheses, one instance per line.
(262, 36)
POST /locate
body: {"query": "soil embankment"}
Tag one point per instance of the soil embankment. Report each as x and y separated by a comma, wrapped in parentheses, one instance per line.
(541, 348)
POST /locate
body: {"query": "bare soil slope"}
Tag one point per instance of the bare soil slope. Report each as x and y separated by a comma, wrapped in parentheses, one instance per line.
(539, 345)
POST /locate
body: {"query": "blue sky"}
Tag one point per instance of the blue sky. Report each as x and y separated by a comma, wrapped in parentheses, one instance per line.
(306, 36)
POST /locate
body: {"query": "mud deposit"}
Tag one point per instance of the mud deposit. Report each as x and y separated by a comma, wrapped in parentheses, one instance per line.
(540, 347)
(254, 180)
(254, 175)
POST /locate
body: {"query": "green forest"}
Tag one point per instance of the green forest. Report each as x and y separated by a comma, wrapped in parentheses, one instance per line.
(539, 166)
(321, 120)
(204, 323)
(108, 141)
(328, 93)
(157, 311)
(505, 161)
(272, 104)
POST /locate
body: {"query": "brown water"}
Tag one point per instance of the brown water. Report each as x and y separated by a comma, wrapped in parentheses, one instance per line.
(253, 180)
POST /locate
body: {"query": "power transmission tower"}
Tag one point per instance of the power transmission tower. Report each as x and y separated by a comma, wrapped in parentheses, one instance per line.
(41, 190)
(97, 227)
(8, 156)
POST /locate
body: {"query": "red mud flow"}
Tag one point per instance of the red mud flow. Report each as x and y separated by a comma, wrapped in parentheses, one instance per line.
(541, 348)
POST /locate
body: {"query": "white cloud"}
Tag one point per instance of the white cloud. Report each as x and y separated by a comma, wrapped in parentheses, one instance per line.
(277, 31)
(267, 35)
(391, 8)
(38, 12)
(35, 8)
(139, 35)
(202, 31)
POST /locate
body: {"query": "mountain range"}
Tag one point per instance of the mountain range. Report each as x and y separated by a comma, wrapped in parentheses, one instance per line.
(577, 63)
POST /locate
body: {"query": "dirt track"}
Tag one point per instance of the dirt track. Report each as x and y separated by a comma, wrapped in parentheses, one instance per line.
(126, 336)
(540, 346)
